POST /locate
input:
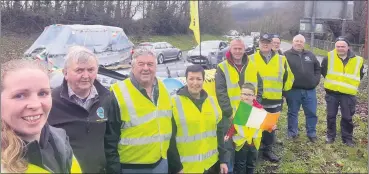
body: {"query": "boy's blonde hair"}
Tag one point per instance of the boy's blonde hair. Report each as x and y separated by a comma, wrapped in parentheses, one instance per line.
(249, 86)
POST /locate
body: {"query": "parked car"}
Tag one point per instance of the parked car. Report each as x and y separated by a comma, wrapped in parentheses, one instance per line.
(212, 53)
(249, 45)
(110, 44)
(163, 50)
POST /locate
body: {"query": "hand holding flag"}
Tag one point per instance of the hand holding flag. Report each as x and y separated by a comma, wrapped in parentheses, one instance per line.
(249, 116)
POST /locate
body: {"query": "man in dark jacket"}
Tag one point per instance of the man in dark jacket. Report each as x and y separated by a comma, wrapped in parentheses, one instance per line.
(77, 109)
(237, 58)
(306, 68)
(342, 71)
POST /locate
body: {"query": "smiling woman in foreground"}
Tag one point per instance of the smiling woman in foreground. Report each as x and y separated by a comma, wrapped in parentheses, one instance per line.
(28, 143)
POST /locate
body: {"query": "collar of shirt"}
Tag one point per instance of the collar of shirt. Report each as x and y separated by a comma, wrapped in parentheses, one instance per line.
(155, 89)
(93, 93)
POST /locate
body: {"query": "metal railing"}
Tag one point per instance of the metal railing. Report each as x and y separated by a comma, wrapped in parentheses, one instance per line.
(328, 45)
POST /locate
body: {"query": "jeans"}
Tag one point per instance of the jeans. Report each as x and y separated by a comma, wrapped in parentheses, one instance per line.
(347, 104)
(307, 98)
(161, 168)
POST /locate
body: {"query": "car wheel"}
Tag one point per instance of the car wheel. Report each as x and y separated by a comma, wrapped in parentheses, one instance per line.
(179, 56)
(161, 59)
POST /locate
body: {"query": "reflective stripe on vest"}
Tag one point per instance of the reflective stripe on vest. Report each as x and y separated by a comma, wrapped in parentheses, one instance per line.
(185, 137)
(145, 140)
(132, 112)
(199, 157)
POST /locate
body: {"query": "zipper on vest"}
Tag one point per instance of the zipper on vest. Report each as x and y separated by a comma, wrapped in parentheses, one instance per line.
(157, 122)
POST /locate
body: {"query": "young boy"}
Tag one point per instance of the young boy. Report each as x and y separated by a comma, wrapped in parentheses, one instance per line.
(245, 157)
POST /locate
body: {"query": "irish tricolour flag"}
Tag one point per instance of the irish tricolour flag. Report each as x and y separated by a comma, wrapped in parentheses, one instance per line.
(252, 117)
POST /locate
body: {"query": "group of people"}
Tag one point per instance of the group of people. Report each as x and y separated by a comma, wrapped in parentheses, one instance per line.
(137, 127)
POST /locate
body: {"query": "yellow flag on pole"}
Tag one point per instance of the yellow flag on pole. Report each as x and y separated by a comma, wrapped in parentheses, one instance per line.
(194, 23)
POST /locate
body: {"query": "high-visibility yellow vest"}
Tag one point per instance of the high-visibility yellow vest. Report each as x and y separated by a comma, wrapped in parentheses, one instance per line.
(272, 74)
(146, 128)
(232, 78)
(196, 133)
(343, 78)
(75, 168)
(254, 135)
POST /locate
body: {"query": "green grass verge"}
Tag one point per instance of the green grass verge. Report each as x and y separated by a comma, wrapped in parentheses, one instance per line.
(317, 51)
(183, 42)
(302, 156)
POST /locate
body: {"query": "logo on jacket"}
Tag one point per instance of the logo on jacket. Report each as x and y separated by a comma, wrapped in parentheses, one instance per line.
(100, 112)
(307, 58)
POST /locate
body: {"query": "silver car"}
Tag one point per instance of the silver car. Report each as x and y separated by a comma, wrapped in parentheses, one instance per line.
(163, 50)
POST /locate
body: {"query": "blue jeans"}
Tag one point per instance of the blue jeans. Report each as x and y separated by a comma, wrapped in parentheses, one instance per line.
(307, 98)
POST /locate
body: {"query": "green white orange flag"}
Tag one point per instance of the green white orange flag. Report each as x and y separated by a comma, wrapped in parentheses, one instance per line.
(252, 117)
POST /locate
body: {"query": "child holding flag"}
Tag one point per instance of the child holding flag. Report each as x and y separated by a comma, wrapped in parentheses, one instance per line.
(247, 139)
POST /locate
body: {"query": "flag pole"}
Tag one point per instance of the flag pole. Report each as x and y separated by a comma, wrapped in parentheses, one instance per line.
(198, 11)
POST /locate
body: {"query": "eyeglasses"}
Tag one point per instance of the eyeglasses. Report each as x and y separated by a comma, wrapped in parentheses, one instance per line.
(248, 95)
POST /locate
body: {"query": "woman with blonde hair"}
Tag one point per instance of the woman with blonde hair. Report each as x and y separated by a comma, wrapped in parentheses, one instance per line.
(28, 143)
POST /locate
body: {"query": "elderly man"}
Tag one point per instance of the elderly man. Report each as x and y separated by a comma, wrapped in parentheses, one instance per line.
(342, 70)
(277, 77)
(140, 122)
(306, 69)
(77, 109)
(276, 42)
(230, 75)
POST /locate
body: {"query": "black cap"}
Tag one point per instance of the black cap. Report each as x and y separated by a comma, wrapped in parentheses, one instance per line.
(266, 37)
(342, 38)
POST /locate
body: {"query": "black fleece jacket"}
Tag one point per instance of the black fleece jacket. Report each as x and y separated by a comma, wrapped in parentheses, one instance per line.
(305, 67)
(85, 128)
(113, 131)
(324, 68)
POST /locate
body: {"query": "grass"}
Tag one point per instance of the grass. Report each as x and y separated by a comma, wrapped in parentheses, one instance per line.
(183, 42)
(302, 156)
(317, 51)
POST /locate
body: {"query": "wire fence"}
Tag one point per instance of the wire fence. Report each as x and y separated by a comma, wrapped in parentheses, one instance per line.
(327, 45)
